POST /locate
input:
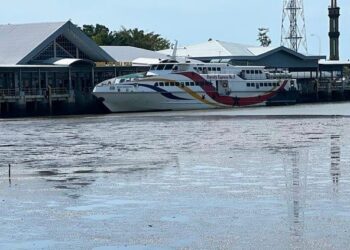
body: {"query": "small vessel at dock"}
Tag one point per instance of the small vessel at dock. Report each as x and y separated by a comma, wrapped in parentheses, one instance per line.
(171, 85)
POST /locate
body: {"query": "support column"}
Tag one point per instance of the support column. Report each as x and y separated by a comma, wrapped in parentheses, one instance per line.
(71, 98)
(93, 77)
(39, 82)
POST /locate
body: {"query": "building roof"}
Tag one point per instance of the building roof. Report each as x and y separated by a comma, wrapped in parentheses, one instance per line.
(129, 54)
(21, 42)
(216, 48)
(328, 62)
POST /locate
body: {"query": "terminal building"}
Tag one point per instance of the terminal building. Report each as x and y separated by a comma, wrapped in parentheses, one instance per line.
(52, 68)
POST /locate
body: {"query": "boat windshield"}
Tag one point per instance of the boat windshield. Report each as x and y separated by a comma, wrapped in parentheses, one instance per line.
(162, 67)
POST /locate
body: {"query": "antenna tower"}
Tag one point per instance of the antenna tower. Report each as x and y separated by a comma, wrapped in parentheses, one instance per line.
(293, 33)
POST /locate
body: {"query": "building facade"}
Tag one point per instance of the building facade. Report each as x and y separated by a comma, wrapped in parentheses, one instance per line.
(52, 68)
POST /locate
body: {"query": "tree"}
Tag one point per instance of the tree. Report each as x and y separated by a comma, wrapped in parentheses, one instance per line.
(126, 37)
(99, 33)
(263, 38)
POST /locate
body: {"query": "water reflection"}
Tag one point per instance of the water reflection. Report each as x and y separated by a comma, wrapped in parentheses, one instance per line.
(296, 184)
(335, 161)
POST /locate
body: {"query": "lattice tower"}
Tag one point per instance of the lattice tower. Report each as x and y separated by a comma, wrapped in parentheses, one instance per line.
(293, 33)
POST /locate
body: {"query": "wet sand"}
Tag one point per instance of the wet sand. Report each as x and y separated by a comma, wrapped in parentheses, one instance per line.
(266, 178)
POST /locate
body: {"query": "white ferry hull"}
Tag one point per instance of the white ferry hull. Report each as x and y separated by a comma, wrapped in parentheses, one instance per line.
(142, 102)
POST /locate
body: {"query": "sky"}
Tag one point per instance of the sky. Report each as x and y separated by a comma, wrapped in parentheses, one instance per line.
(188, 21)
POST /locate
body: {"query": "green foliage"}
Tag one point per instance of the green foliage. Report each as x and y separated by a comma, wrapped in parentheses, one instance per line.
(263, 37)
(125, 37)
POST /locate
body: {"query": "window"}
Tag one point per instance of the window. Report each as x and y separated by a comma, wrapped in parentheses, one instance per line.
(270, 84)
(187, 84)
(252, 84)
(197, 84)
(261, 84)
(156, 84)
(248, 84)
(257, 72)
(278, 84)
(176, 68)
(209, 69)
(172, 84)
(214, 69)
(192, 83)
(177, 84)
(218, 69)
(160, 67)
(265, 84)
(169, 66)
(274, 84)
(161, 84)
(167, 84)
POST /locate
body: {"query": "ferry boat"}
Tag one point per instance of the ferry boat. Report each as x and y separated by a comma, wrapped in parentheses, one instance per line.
(171, 85)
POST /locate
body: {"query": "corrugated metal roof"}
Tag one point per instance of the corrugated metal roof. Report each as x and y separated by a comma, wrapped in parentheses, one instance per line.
(256, 51)
(17, 41)
(215, 48)
(21, 42)
(129, 54)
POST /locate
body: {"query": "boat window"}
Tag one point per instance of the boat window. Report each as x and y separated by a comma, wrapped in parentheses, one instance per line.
(278, 84)
(176, 68)
(261, 84)
(156, 84)
(200, 68)
(218, 69)
(167, 84)
(257, 72)
(270, 84)
(197, 84)
(187, 84)
(274, 84)
(169, 66)
(252, 84)
(248, 84)
(172, 84)
(192, 83)
(265, 84)
(153, 67)
(160, 67)
(161, 84)
(195, 68)
(177, 84)
(214, 69)
(260, 72)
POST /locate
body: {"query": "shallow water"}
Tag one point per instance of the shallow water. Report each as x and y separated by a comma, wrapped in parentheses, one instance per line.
(264, 178)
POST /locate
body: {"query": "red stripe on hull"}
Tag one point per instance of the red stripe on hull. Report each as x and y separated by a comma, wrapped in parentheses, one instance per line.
(228, 100)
